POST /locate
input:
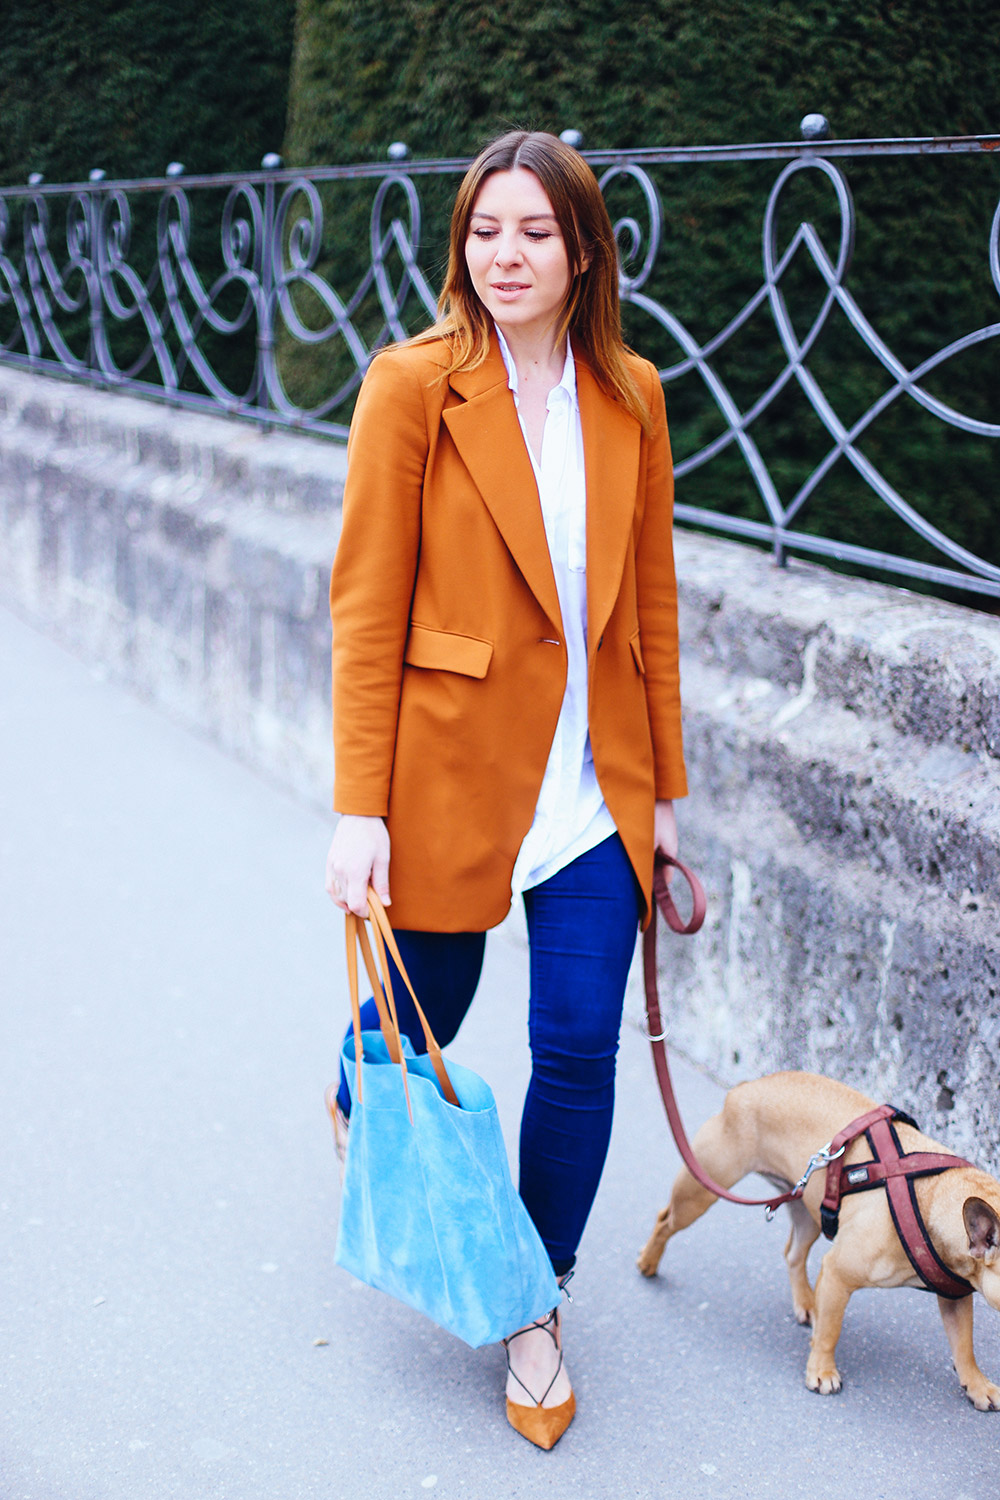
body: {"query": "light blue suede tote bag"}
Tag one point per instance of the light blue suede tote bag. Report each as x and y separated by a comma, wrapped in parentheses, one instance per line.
(428, 1212)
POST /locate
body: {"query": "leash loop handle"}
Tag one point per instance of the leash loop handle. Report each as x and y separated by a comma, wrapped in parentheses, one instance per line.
(665, 901)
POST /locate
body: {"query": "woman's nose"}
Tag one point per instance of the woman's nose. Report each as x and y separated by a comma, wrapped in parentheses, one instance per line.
(508, 250)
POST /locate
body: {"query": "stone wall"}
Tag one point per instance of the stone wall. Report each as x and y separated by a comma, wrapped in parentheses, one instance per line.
(844, 745)
(843, 737)
(189, 554)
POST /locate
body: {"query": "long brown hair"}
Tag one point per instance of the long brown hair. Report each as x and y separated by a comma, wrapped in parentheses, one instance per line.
(592, 313)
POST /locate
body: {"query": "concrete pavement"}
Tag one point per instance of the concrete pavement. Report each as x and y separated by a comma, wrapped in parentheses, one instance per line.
(171, 1321)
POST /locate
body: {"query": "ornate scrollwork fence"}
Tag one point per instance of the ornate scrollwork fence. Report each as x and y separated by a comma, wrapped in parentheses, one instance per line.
(225, 322)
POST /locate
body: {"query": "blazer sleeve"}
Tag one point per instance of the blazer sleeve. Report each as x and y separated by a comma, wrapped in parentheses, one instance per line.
(373, 577)
(656, 587)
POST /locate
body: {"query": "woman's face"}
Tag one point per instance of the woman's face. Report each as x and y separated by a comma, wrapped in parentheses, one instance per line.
(516, 254)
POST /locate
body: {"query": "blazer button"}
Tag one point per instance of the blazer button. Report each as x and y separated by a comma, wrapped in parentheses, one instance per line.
(546, 640)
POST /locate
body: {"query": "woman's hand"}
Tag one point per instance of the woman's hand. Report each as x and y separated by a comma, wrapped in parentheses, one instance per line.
(358, 857)
(665, 832)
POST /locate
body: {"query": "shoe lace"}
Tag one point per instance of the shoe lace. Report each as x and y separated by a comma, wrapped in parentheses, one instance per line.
(549, 1324)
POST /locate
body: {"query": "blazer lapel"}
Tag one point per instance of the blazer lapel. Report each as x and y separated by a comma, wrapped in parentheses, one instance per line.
(488, 436)
(611, 440)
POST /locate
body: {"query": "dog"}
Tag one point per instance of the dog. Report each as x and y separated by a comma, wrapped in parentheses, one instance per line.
(772, 1126)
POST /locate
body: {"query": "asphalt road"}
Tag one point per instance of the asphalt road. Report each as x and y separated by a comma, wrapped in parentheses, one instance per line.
(171, 1321)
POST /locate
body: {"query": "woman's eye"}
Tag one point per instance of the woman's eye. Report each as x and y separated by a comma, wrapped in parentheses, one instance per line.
(539, 234)
(483, 234)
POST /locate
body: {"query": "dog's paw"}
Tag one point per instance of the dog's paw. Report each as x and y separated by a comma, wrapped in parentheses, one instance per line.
(983, 1394)
(825, 1382)
(803, 1314)
(648, 1263)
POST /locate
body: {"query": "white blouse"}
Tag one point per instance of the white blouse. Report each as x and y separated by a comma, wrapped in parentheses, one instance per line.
(570, 816)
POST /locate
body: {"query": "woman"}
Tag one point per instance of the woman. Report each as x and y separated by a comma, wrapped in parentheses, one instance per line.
(506, 688)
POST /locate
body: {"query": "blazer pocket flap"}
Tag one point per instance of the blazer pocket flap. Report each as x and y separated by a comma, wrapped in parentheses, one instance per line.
(444, 651)
(637, 652)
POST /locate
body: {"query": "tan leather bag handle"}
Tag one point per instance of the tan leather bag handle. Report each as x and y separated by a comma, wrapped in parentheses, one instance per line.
(356, 933)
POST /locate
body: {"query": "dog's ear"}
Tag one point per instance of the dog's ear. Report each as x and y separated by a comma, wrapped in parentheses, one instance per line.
(982, 1227)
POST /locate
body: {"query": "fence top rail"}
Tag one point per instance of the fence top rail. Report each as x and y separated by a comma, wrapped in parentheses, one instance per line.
(944, 145)
(135, 311)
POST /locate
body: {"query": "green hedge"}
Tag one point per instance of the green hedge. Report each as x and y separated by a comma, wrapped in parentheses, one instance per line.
(131, 86)
(445, 74)
(445, 77)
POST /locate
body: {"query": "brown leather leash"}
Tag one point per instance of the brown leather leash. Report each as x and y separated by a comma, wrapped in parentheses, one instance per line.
(657, 1035)
(891, 1167)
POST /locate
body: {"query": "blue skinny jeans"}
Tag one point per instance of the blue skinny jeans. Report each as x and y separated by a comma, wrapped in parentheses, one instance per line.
(581, 932)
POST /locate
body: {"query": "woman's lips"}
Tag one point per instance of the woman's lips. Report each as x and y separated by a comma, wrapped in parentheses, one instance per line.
(508, 288)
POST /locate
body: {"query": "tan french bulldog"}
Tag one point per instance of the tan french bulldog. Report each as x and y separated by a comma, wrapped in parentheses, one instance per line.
(772, 1126)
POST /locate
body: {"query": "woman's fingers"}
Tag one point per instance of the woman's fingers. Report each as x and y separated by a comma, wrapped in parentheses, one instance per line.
(665, 838)
(665, 829)
(380, 873)
(357, 894)
(358, 857)
(333, 878)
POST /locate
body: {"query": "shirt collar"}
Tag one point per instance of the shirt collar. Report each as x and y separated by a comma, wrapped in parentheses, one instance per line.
(567, 383)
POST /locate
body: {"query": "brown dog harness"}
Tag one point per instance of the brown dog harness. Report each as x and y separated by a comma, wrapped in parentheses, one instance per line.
(890, 1168)
(895, 1170)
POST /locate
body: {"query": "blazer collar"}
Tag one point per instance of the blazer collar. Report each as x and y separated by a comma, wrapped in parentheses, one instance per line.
(611, 445)
(488, 436)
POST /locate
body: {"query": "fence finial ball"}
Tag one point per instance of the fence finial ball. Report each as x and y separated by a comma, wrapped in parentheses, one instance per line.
(35, 179)
(572, 138)
(398, 151)
(271, 161)
(815, 128)
(175, 169)
(96, 174)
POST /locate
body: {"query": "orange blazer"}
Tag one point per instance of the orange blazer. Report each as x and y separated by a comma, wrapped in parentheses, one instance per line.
(448, 661)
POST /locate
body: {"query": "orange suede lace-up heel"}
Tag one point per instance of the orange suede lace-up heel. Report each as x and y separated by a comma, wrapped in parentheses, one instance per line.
(540, 1424)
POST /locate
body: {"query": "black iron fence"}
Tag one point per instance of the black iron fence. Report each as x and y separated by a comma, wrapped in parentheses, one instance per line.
(264, 295)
